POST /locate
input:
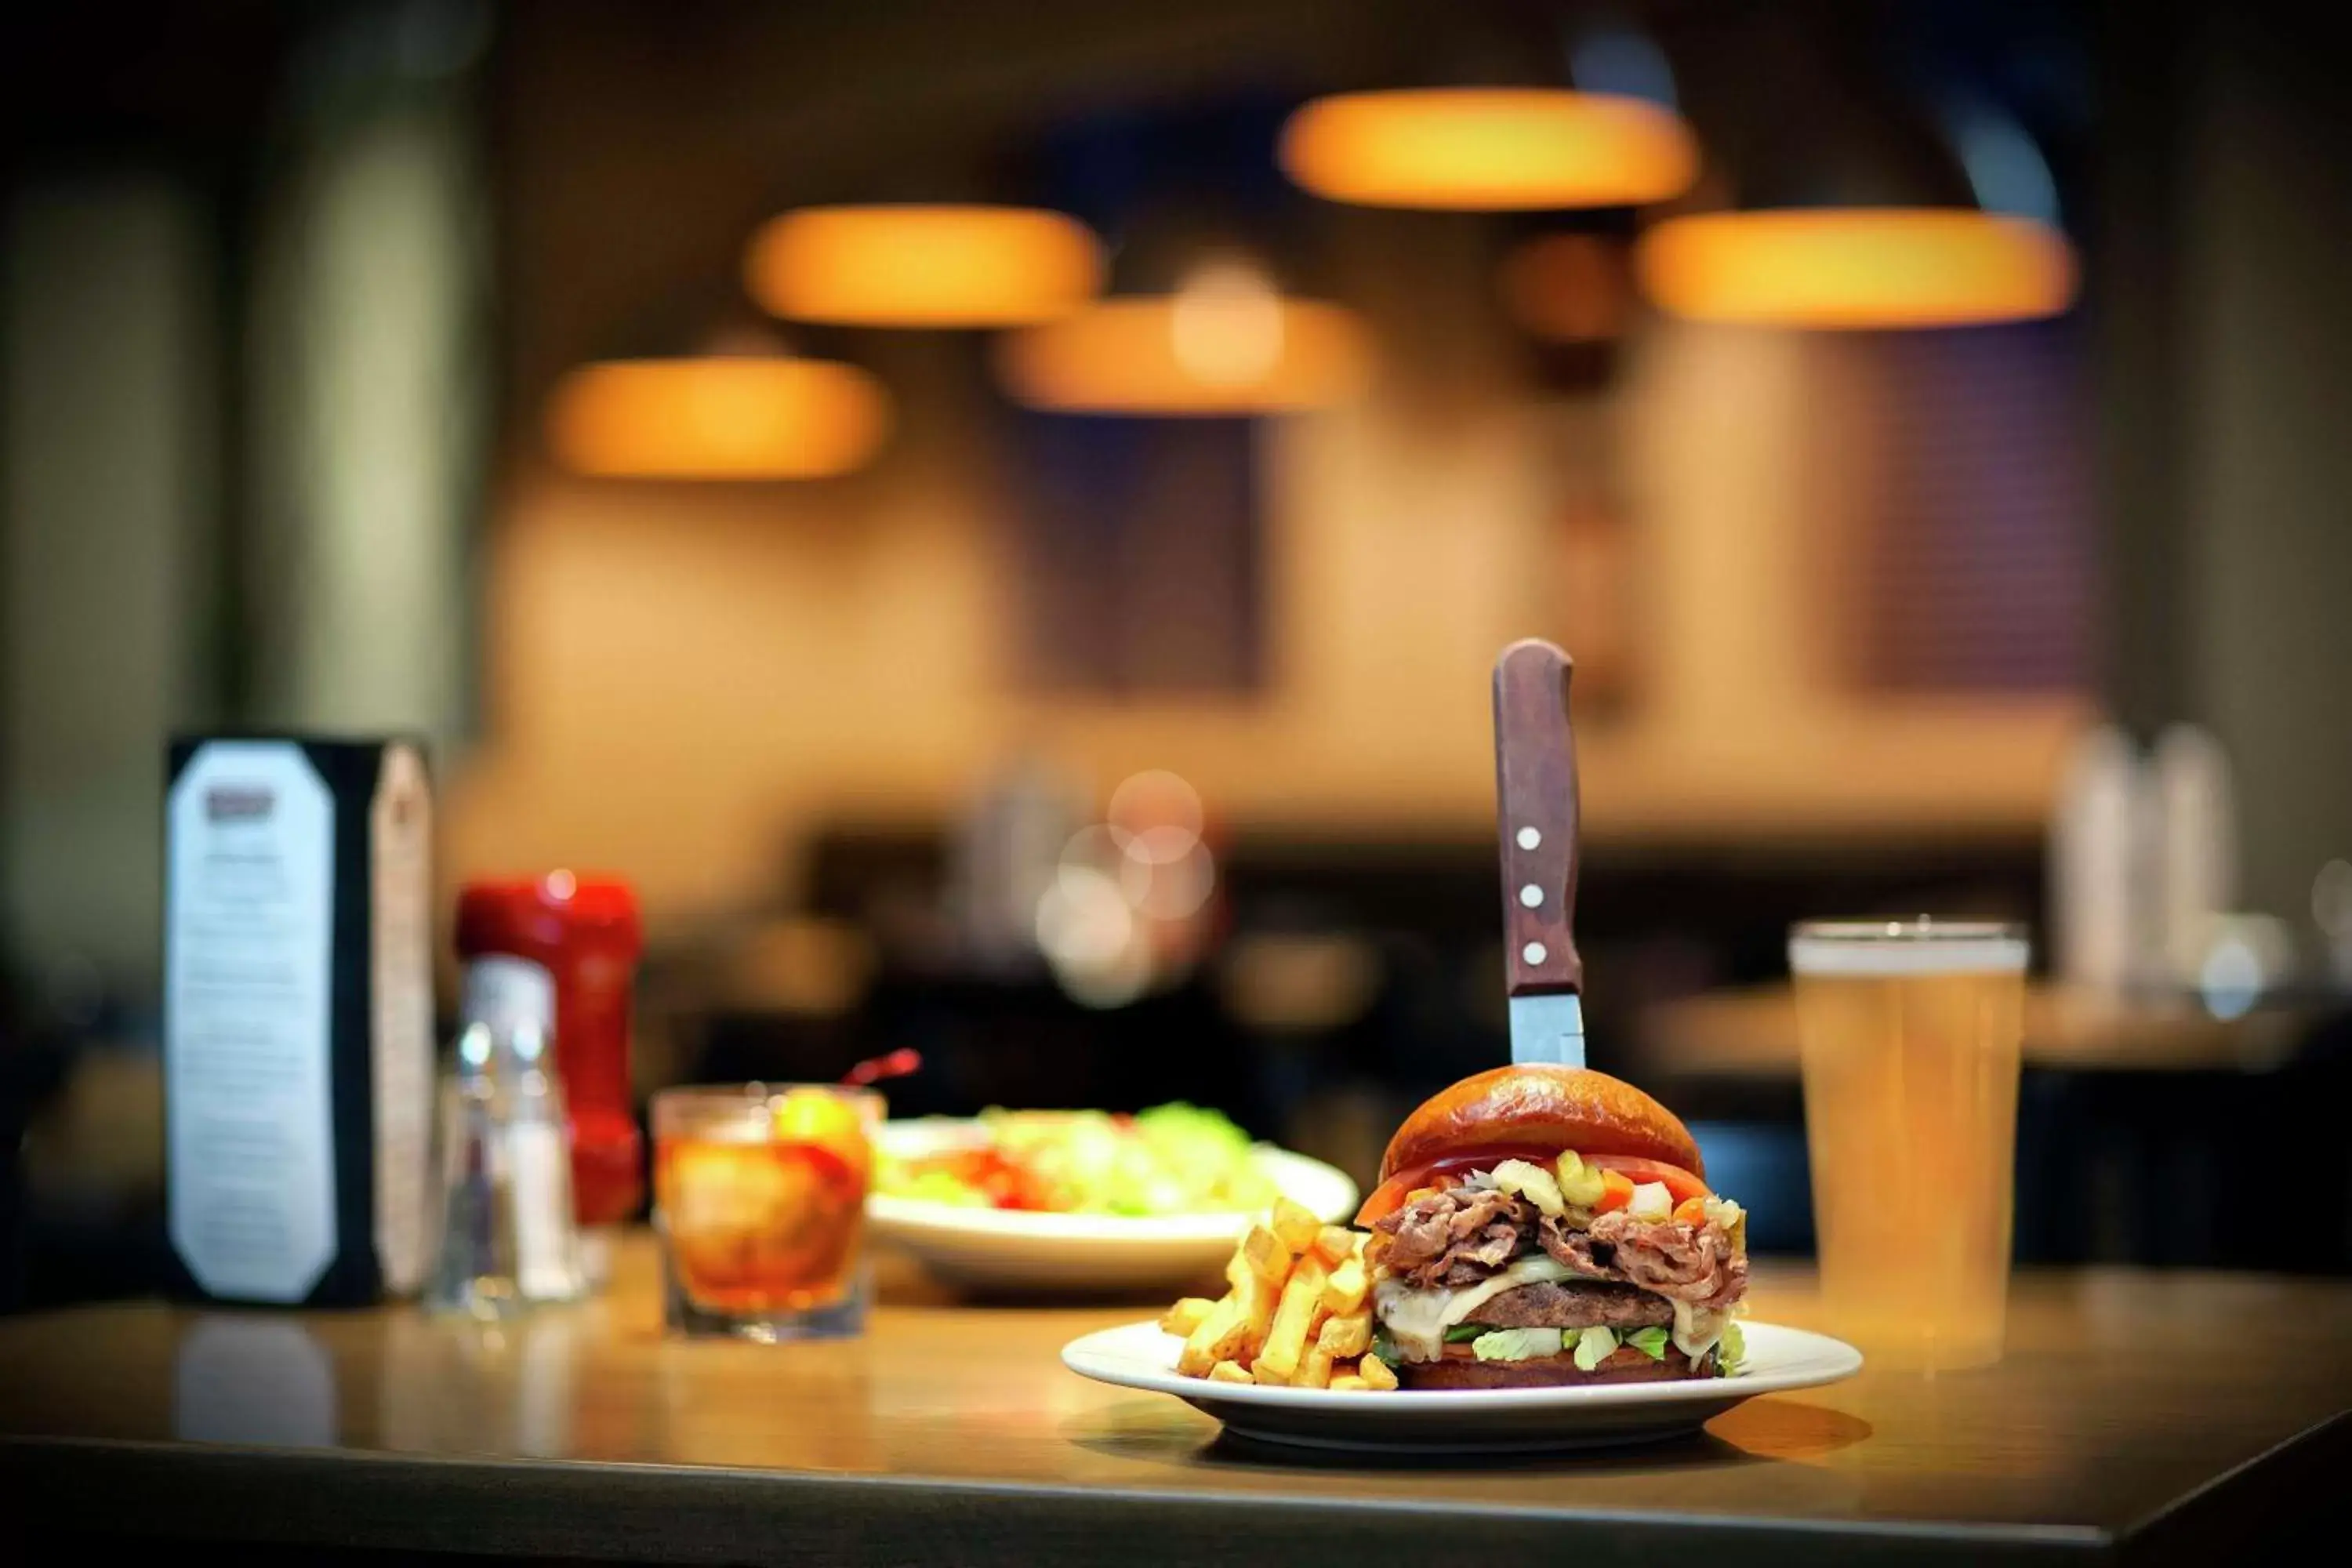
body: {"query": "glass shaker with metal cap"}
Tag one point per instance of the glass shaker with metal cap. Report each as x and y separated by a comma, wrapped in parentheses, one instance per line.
(577, 936)
(508, 1240)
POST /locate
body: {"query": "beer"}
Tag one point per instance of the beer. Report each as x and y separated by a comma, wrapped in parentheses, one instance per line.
(1910, 1037)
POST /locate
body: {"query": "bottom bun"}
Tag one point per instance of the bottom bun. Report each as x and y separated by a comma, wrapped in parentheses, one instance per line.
(1625, 1364)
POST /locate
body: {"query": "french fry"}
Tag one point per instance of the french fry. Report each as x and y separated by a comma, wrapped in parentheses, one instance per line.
(1344, 1291)
(1185, 1316)
(1257, 1300)
(1348, 1382)
(1293, 1318)
(1265, 1254)
(1376, 1374)
(1217, 1337)
(1335, 1244)
(1342, 1337)
(1293, 1315)
(1296, 1227)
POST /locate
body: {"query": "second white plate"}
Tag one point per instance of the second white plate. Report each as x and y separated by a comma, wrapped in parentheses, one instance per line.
(1006, 1250)
(1501, 1420)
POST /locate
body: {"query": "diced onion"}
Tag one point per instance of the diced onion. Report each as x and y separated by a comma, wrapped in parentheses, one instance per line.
(1532, 1182)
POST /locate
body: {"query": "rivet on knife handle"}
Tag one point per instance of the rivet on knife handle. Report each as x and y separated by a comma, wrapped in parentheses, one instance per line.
(1536, 813)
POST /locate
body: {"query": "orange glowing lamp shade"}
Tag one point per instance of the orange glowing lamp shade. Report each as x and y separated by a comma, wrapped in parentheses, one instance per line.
(924, 266)
(1489, 148)
(1857, 268)
(717, 417)
(1222, 345)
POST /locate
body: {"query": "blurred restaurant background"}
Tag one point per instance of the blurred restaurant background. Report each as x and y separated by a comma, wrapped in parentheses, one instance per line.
(996, 519)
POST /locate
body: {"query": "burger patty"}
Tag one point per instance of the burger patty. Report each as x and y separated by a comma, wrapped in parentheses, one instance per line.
(1575, 1304)
(1625, 1364)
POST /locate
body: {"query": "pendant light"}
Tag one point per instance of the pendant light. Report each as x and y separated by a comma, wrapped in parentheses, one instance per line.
(740, 406)
(923, 264)
(1488, 149)
(1225, 341)
(1481, 113)
(1857, 212)
(1857, 268)
(1201, 322)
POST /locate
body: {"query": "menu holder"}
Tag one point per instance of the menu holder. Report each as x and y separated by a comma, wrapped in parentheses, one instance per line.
(297, 1017)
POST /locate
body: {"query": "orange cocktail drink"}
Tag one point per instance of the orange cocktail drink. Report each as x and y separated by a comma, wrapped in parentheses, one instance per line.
(759, 1196)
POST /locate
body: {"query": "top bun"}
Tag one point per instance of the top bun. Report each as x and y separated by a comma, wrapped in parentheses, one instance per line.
(1541, 1106)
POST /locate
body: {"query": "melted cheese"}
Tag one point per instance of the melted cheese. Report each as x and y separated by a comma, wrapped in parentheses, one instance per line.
(1697, 1329)
(1417, 1319)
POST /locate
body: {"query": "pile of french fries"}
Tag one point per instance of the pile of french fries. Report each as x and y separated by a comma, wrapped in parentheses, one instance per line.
(1300, 1312)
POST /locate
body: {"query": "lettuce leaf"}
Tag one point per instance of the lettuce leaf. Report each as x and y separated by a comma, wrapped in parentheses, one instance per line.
(1517, 1344)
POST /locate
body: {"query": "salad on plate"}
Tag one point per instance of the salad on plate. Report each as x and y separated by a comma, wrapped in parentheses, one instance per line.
(1173, 1159)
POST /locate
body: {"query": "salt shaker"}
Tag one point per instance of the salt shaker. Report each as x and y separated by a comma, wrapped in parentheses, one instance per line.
(509, 1240)
(573, 937)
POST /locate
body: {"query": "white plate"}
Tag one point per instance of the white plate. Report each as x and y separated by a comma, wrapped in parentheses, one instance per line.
(1494, 1420)
(1004, 1249)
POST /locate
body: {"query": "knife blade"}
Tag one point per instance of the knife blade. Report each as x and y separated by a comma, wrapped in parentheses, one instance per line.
(1536, 822)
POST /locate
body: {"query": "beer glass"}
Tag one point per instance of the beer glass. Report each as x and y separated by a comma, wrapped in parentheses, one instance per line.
(1910, 1032)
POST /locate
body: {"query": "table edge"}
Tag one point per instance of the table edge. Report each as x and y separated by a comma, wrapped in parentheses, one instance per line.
(2204, 1522)
(651, 1511)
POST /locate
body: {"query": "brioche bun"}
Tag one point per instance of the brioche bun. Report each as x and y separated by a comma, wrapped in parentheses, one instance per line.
(1541, 1106)
(1624, 1364)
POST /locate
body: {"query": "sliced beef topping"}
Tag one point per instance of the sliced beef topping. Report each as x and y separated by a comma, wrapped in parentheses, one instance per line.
(1465, 1234)
(1575, 1304)
(1456, 1237)
(1694, 1263)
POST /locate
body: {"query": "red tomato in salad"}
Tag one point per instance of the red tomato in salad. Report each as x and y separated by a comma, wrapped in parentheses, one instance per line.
(1005, 1184)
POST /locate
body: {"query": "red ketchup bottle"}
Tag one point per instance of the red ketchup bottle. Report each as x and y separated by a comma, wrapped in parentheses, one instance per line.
(583, 932)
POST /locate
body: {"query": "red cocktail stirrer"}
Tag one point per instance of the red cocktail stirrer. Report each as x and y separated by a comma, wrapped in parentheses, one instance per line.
(891, 1064)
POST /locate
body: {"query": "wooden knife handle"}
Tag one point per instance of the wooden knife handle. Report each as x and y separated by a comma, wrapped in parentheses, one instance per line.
(1535, 813)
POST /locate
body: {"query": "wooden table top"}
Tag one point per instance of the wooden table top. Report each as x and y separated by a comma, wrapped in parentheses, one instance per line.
(1752, 1033)
(2139, 1415)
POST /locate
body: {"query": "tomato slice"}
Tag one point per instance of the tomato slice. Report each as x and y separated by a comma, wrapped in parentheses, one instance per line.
(1390, 1195)
(1680, 1183)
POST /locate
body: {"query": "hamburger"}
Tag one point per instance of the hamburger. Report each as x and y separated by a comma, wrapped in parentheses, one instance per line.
(1538, 1226)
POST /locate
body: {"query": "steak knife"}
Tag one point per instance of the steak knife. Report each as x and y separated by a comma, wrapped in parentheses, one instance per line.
(1536, 817)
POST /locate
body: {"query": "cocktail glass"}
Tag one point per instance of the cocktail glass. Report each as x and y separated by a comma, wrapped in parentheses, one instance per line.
(759, 1196)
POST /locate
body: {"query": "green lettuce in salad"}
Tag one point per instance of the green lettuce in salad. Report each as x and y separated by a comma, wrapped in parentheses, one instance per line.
(1171, 1159)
